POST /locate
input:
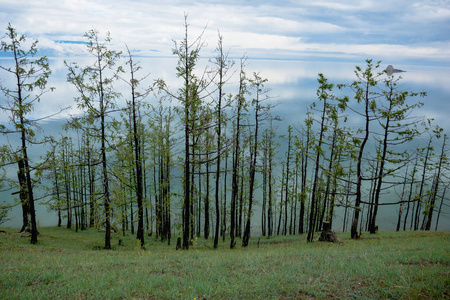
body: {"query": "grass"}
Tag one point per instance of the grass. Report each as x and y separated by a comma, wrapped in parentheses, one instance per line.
(69, 265)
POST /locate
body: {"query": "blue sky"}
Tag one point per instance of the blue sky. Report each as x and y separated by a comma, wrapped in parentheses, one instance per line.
(407, 30)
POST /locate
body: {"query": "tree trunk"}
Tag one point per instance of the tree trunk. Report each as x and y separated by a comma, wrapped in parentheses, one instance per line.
(313, 215)
(253, 159)
(440, 208)
(422, 184)
(23, 197)
(354, 229)
(436, 187)
(286, 192)
(137, 159)
(236, 151)
(206, 226)
(372, 223)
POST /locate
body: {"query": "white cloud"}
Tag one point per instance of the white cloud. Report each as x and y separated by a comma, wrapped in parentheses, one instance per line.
(320, 27)
(351, 5)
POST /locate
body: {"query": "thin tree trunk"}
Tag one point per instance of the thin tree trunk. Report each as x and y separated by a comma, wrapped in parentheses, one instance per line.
(313, 215)
(23, 197)
(270, 194)
(305, 150)
(354, 229)
(287, 194)
(281, 201)
(224, 213)
(206, 227)
(400, 209)
(234, 184)
(372, 223)
(107, 203)
(436, 187)
(440, 208)
(410, 196)
(136, 146)
(422, 184)
(253, 159)
(241, 203)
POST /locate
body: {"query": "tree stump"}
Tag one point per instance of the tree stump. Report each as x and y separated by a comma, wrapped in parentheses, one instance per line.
(328, 235)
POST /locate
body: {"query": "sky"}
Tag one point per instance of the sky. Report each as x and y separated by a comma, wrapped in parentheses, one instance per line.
(301, 37)
(403, 30)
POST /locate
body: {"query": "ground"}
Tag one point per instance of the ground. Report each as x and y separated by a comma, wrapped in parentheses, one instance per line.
(66, 264)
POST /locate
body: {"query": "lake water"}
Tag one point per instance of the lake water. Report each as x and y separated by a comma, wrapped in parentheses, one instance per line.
(292, 87)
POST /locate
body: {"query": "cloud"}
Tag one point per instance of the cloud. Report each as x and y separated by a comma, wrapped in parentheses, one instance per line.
(273, 29)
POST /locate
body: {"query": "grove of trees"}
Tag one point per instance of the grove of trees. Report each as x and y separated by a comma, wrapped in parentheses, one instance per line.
(206, 158)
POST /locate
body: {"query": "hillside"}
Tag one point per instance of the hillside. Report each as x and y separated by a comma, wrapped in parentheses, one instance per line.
(65, 264)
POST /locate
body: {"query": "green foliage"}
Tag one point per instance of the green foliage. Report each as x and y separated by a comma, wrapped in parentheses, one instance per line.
(36, 69)
(31, 75)
(95, 82)
(4, 213)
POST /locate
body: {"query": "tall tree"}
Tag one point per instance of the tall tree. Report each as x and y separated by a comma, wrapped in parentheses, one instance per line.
(324, 95)
(30, 76)
(240, 108)
(190, 97)
(162, 131)
(287, 192)
(134, 106)
(428, 152)
(432, 203)
(97, 98)
(257, 82)
(303, 143)
(269, 146)
(393, 113)
(223, 65)
(363, 88)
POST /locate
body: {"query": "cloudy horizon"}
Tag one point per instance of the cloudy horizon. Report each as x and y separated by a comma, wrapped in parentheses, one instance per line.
(406, 31)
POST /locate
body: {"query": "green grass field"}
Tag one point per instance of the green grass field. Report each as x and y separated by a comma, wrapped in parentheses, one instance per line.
(69, 265)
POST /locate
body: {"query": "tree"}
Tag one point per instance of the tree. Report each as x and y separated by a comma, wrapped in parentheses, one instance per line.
(323, 93)
(269, 146)
(428, 152)
(135, 127)
(97, 98)
(393, 113)
(363, 87)
(240, 108)
(30, 76)
(304, 143)
(410, 194)
(223, 65)
(3, 162)
(440, 206)
(435, 188)
(161, 131)
(190, 97)
(287, 192)
(4, 208)
(257, 82)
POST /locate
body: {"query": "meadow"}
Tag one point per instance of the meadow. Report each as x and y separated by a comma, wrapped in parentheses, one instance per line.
(71, 265)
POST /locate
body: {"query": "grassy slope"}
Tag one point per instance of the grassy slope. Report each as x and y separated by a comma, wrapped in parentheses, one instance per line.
(67, 265)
